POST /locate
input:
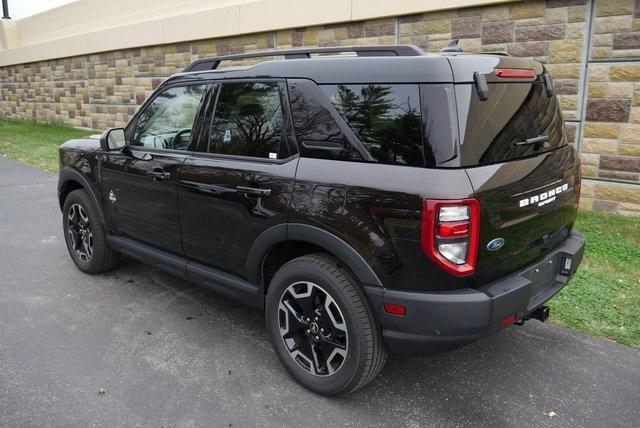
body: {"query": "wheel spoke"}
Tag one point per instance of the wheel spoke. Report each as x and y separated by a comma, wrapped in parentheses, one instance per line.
(317, 364)
(86, 246)
(333, 314)
(295, 313)
(332, 343)
(291, 321)
(73, 219)
(304, 294)
(73, 236)
(335, 360)
(83, 216)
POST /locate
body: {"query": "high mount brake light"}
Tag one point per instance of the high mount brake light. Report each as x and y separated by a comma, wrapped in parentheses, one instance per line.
(515, 73)
(450, 234)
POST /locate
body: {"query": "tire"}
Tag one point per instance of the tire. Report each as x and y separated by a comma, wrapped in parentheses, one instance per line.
(81, 225)
(340, 303)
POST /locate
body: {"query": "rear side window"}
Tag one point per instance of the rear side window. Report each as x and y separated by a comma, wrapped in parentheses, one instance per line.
(316, 124)
(248, 121)
(384, 117)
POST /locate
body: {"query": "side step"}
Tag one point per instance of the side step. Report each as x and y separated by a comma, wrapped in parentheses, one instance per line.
(197, 273)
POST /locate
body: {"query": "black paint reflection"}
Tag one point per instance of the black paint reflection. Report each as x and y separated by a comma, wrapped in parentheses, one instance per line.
(512, 113)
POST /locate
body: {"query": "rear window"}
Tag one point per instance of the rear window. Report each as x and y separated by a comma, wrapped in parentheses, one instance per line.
(384, 117)
(512, 114)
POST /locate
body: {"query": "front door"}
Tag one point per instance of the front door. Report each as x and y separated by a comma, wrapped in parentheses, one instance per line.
(139, 183)
(240, 181)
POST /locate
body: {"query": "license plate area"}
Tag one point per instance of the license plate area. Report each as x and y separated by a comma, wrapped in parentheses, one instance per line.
(544, 277)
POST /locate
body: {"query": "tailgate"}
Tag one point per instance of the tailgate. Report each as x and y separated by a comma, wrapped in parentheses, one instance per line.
(513, 145)
(529, 205)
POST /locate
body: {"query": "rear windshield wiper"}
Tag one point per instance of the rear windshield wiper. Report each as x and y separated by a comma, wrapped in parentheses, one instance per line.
(536, 141)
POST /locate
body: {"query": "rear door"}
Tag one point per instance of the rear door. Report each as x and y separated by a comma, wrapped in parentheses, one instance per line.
(525, 175)
(239, 182)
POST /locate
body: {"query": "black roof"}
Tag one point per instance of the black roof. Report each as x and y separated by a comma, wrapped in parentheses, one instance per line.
(373, 64)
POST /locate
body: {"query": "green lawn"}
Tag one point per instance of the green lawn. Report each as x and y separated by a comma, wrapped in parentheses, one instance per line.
(603, 299)
(35, 143)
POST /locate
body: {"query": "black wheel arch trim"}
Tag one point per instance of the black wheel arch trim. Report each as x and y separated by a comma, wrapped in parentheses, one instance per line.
(69, 174)
(260, 248)
(313, 235)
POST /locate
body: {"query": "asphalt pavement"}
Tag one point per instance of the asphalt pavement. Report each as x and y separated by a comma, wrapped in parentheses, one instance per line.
(136, 346)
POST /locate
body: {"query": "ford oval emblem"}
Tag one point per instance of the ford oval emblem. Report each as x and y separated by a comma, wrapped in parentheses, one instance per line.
(495, 244)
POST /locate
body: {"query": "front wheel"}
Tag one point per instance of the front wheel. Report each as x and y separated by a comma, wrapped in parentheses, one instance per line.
(321, 326)
(84, 234)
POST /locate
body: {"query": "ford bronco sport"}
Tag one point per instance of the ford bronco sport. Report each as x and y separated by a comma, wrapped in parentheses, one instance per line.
(383, 200)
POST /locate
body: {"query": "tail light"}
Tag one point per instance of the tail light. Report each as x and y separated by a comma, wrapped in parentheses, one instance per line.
(450, 234)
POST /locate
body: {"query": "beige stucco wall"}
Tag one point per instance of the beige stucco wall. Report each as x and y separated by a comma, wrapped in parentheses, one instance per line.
(90, 26)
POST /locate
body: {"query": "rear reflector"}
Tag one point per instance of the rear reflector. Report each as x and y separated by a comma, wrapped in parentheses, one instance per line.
(515, 73)
(509, 320)
(395, 309)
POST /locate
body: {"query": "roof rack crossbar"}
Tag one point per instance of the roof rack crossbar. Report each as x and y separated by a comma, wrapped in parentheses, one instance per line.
(397, 50)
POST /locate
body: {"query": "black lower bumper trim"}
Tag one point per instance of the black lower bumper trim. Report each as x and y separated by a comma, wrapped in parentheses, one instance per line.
(442, 320)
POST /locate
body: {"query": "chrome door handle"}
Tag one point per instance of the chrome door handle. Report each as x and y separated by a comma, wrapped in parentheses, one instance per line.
(253, 191)
(158, 174)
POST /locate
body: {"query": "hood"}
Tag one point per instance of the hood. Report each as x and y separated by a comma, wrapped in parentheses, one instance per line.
(89, 143)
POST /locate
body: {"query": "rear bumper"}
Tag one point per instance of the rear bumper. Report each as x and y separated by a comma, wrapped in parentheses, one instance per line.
(441, 320)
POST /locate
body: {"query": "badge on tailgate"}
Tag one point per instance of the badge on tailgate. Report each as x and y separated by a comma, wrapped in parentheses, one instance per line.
(544, 197)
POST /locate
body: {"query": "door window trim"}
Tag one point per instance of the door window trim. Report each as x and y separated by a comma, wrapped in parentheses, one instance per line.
(239, 158)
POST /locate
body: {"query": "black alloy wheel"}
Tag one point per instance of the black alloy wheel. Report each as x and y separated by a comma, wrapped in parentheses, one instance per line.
(313, 328)
(80, 234)
(85, 234)
(321, 326)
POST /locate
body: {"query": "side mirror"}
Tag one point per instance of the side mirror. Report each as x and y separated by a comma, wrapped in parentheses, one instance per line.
(113, 139)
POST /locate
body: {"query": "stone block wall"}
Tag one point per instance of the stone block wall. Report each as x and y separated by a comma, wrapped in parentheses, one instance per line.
(591, 47)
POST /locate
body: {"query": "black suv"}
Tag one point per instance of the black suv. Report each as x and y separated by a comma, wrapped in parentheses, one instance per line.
(368, 198)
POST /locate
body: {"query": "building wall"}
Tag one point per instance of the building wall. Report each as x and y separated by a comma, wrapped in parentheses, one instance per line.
(591, 47)
(94, 26)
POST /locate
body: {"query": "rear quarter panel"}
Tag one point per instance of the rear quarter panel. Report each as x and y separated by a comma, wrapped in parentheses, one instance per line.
(376, 209)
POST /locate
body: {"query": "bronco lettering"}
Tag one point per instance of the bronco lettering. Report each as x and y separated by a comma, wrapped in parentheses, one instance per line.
(545, 197)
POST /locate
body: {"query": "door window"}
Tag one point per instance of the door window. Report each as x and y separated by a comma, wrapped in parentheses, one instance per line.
(167, 121)
(248, 121)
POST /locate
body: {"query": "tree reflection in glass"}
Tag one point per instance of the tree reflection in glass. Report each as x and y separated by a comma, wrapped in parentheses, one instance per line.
(386, 119)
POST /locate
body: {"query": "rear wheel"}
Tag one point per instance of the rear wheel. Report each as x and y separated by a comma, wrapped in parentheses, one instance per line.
(84, 234)
(321, 326)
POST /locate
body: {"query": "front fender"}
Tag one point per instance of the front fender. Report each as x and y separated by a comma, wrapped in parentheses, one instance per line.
(70, 175)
